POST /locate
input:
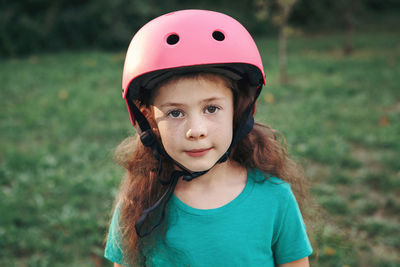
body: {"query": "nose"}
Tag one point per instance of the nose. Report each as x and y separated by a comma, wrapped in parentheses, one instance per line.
(196, 128)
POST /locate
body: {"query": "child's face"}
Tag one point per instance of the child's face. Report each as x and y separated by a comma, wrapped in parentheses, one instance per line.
(195, 120)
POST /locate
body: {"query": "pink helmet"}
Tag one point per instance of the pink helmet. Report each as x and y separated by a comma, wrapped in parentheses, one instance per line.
(187, 39)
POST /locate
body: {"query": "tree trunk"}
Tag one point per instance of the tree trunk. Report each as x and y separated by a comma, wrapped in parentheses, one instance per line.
(283, 54)
(286, 8)
(349, 22)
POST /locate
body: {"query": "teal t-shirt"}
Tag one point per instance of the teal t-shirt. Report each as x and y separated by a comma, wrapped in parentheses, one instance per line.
(262, 226)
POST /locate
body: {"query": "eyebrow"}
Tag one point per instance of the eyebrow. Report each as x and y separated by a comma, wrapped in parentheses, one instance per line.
(169, 104)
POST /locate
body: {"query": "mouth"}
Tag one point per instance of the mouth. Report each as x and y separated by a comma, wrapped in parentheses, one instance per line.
(197, 152)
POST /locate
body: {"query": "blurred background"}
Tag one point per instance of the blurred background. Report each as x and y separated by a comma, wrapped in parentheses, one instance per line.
(332, 90)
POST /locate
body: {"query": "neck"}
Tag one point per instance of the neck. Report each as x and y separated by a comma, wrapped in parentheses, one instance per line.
(221, 174)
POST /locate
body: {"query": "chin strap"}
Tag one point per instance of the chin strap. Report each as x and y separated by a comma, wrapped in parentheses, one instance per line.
(145, 225)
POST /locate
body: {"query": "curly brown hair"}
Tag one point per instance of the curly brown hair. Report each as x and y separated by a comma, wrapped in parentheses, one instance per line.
(263, 148)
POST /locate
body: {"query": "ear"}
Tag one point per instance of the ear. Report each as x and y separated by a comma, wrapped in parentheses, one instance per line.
(146, 111)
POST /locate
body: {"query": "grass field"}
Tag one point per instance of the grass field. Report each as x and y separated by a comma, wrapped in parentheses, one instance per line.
(62, 115)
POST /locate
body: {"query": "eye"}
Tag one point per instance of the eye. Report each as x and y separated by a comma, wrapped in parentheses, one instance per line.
(211, 109)
(175, 114)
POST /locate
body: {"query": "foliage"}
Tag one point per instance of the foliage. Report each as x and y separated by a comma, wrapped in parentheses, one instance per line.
(31, 26)
(50, 25)
(320, 15)
(62, 115)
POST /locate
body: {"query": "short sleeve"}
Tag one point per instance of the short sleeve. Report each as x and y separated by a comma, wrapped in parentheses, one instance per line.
(113, 251)
(291, 242)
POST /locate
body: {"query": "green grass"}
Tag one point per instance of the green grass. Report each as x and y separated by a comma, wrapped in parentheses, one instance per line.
(62, 115)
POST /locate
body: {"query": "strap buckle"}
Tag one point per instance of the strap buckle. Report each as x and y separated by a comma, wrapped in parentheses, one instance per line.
(147, 137)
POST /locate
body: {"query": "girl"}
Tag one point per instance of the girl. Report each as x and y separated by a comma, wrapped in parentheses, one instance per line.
(201, 186)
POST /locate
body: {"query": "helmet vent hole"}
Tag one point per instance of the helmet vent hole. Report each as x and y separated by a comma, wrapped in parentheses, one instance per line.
(219, 36)
(173, 39)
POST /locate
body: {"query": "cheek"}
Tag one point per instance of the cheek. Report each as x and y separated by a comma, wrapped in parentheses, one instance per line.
(228, 130)
(162, 129)
(228, 122)
(222, 129)
(162, 126)
(168, 134)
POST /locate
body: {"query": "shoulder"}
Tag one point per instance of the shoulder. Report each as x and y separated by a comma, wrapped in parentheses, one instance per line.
(270, 193)
(266, 184)
(113, 250)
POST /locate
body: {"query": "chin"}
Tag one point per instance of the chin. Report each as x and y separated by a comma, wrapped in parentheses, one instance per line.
(198, 168)
(198, 165)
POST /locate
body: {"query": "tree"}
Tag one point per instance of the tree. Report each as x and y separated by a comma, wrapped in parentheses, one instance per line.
(280, 10)
(281, 19)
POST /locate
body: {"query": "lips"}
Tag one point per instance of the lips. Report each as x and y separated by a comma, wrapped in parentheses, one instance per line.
(197, 152)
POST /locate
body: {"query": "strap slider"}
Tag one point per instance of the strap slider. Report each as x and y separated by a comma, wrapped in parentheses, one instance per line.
(147, 137)
(187, 177)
